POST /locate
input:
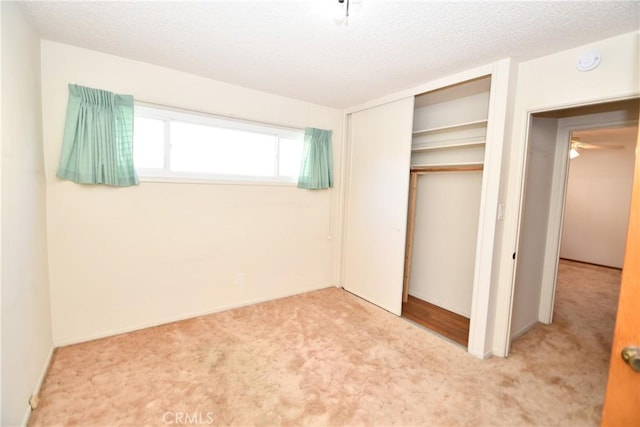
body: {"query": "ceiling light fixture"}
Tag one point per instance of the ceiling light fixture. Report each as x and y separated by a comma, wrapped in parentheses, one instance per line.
(573, 153)
(574, 150)
(344, 9)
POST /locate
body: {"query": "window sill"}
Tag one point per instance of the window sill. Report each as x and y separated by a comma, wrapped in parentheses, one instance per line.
(240, 180)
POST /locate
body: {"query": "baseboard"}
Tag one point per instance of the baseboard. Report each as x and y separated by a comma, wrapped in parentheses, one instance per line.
(173, 319)
(590, 263)
(524, 329)
(483, 356)
(38, 385)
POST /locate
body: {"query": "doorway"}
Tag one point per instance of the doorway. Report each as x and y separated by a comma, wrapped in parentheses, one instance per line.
(598, 195)
(543, 210)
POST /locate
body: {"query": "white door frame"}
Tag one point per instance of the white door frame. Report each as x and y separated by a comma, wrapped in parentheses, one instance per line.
(558, 197)
(479, 344)
(513, 222)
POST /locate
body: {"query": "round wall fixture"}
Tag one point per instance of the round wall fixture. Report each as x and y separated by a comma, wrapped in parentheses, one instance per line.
(588, 61)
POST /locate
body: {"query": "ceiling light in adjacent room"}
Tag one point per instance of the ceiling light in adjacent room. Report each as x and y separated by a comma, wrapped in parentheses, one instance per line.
(573, 153)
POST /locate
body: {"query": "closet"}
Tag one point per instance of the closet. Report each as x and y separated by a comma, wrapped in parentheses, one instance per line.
(447, 156)
(443, 139)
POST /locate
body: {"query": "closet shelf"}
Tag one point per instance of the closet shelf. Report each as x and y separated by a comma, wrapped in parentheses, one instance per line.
(445, 145)
(446, 165)
(457, 126)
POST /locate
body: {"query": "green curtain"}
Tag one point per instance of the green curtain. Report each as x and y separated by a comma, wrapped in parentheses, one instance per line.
(316, 171)
(97, 146)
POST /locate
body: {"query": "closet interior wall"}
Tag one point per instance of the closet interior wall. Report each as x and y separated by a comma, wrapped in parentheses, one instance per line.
(447, 156)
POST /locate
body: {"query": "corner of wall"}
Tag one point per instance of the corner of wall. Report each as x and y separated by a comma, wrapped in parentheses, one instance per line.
(38, 385)
(27, 342)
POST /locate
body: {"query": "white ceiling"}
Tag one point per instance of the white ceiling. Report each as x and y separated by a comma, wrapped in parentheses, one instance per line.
(620, 136)
(294, 48)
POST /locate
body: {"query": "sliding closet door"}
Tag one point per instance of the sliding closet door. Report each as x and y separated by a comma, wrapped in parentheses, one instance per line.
(377, 197)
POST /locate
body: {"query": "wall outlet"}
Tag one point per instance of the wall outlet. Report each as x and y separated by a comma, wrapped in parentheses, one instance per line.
(239, 279)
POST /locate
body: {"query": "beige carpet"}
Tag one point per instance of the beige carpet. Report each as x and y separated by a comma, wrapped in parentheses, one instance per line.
(329, 358)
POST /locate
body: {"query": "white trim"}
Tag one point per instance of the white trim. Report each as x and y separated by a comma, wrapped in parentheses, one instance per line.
(444, 146)
(485, 247)
(482, 356)
(471, 124)
(440, 83)
(36, 390)
(206, 115)
(341, 200)
(198, 118)
(554, 225)
(152, 175)
(348, 167)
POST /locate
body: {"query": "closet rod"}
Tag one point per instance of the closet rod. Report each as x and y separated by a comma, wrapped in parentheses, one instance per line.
(452, 168)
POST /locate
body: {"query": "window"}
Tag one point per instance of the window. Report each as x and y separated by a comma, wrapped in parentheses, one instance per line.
(183, 146)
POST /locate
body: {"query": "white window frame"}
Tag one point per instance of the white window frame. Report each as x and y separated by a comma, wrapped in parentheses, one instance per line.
(167, 114)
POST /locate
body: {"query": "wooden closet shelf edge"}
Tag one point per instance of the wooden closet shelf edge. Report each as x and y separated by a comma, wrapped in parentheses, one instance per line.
(452, 168)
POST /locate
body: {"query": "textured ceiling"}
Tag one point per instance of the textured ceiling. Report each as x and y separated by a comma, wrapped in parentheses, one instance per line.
(295, 49)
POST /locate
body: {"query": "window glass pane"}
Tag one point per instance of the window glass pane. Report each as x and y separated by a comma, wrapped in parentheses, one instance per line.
(148, 147)
(290, 157)
(206, 149)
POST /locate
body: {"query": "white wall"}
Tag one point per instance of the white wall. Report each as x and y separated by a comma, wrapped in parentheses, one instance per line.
(445, 235)
(122, 259)
(26, 319)
(499, 307)
(553, 82)
(597, 205)
(535, 217)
